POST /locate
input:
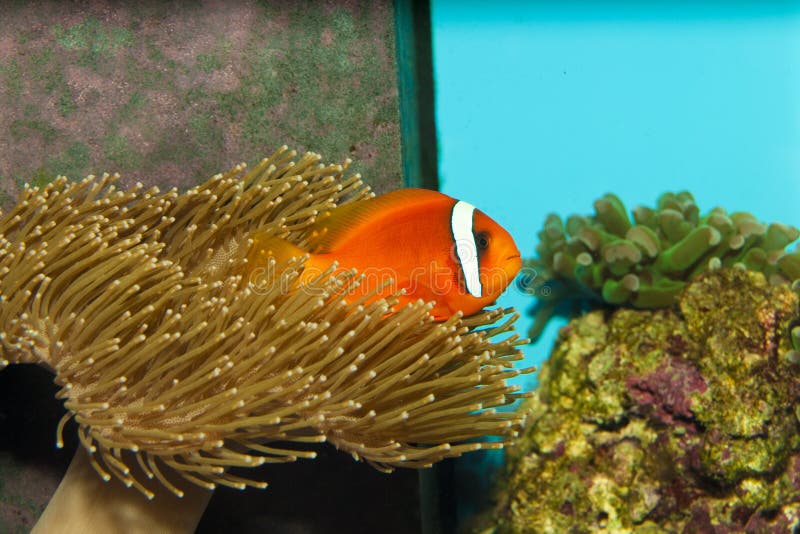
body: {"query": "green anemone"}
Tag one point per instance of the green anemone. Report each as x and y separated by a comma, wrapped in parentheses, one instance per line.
(645, 260)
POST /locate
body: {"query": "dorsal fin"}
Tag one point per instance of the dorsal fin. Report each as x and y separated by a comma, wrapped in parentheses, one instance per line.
(338, 224)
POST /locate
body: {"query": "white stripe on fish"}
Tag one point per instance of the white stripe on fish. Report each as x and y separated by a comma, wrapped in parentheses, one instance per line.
(466, 249)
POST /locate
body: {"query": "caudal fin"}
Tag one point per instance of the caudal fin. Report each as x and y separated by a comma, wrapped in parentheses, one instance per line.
(266, 247)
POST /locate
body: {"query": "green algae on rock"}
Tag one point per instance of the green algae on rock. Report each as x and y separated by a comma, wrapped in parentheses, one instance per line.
(665, 420)
(647, 261)
(794, 331)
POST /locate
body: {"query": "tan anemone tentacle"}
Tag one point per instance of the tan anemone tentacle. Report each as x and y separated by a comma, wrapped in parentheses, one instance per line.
(174, 363)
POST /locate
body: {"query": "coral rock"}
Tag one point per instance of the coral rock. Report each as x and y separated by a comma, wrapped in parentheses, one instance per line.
(682, 419)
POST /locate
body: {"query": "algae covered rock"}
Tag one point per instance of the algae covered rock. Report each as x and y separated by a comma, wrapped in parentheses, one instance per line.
(645, 261)
(679, 419)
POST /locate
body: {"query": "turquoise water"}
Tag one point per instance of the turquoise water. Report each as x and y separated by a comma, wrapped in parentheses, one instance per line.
(545, 106)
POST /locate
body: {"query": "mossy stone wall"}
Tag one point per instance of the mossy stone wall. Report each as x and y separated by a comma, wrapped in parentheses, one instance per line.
(169, 93)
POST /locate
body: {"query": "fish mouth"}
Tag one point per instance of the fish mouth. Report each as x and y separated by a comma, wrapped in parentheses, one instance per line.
(513, 264)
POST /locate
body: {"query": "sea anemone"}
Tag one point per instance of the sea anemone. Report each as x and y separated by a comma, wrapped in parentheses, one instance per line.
(178, 361)
(645, 262)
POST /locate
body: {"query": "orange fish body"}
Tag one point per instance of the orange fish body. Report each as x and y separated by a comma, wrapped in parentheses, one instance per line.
(430, 245)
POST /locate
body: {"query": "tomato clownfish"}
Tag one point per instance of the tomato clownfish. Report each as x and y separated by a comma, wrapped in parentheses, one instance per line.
(432, 246)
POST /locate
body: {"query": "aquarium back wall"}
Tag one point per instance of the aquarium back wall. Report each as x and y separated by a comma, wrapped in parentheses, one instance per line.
(545, 106)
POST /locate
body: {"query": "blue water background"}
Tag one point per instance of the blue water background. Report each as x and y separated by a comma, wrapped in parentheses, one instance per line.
(545, 106)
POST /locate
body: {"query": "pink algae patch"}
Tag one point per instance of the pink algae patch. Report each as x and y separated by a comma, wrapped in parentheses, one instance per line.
(668, 390)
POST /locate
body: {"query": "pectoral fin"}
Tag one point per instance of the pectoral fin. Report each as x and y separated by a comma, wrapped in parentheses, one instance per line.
(415, 290)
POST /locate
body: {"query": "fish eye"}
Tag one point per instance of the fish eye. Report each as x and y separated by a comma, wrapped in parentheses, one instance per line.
(482, 240)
